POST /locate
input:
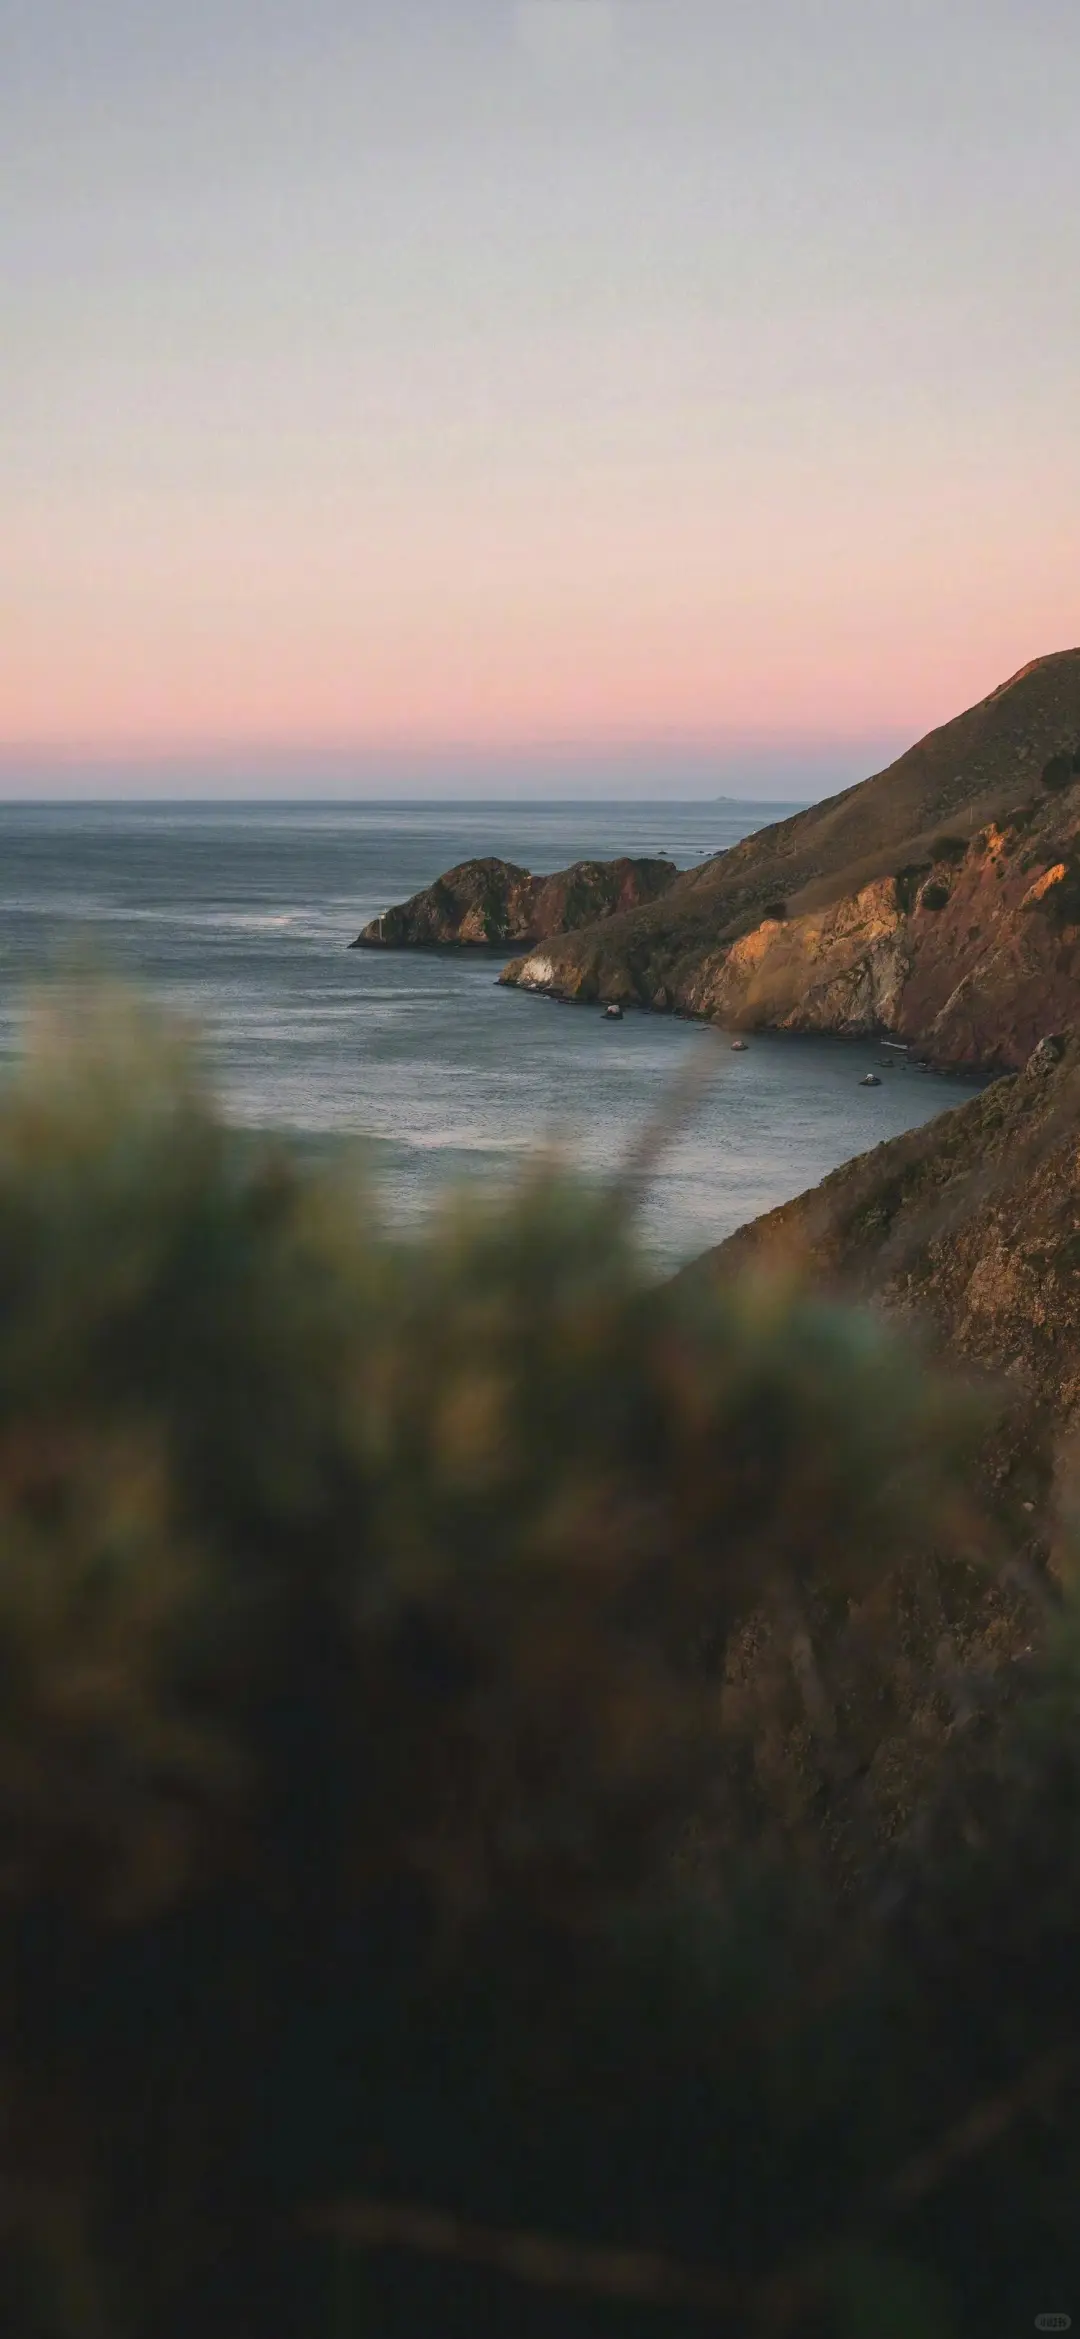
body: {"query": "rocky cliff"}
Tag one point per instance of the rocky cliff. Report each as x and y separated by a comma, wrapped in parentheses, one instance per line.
(970, 1228)
(968, 1231)
(939, 900)
(492, 901)
(970, 957)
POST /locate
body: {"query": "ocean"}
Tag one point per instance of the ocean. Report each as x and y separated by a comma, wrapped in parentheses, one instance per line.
(238, 917)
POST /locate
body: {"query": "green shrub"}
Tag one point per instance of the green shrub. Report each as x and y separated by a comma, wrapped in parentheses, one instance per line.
(950, 849)
(775, 909)
(1060, 771)
(447, 1685)
(933, 897)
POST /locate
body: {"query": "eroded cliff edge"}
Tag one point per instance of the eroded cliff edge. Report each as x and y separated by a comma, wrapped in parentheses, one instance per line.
(970, 1228)
(939, 900)
(487, 902)
(967, 1230)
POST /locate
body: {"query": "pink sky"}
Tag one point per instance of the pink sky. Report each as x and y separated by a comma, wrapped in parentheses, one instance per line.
(698, 381)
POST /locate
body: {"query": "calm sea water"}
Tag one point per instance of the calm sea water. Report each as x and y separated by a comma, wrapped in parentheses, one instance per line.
(239, 916)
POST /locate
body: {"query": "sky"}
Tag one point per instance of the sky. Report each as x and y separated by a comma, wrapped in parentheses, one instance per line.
(540, 392)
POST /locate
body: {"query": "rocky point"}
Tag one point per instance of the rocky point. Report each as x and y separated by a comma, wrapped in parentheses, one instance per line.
(489, 902)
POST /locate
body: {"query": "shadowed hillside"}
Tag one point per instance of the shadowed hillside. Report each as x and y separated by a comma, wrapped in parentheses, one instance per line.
(969, 1229)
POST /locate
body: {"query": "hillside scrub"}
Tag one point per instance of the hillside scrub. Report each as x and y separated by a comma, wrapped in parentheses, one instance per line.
(402, 1848)
(1061, 770)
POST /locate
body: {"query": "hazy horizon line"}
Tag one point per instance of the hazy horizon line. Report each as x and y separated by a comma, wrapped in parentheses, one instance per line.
(761, 771)
(390, 803)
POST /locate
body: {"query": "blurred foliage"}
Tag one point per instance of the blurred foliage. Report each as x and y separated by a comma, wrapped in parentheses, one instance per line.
(465, 1703)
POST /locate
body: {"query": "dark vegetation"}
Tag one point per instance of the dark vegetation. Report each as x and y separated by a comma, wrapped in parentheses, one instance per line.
(1016, 824)
(775, 909)
(493, 912)
(1061, 902)
(427, 1694)
(933, 897)
(907, 882)
(1062, 770)
(950, 849)
(1021, 818)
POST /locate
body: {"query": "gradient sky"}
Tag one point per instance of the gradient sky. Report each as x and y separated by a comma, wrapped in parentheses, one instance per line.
(456, 376)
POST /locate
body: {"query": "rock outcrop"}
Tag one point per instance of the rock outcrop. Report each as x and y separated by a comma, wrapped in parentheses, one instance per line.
(986, 955)
(488, 902)
(939, 901)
